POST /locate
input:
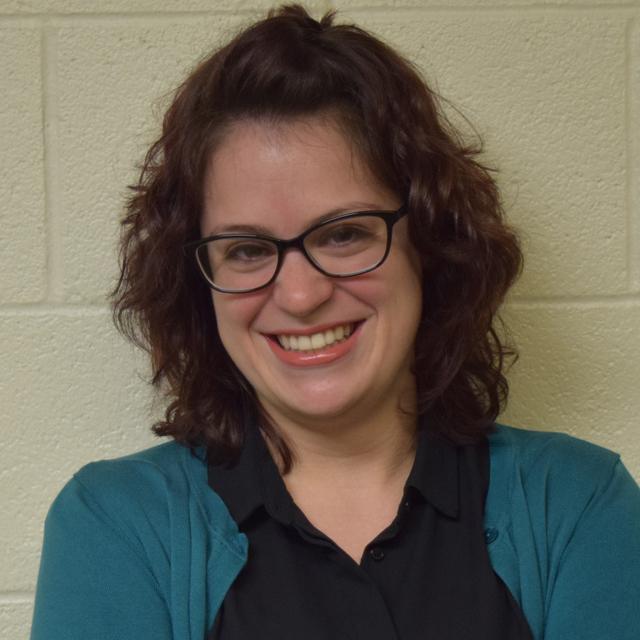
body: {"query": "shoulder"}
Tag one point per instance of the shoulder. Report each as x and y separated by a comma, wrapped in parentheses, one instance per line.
(130, 495)
(549, 470)
(138, 479)
(567, 516)
(153, 466)
(154, 494)
(530, 449)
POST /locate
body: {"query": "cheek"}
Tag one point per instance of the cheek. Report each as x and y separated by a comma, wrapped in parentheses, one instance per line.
(406, 300)
(403, 283)
(394, 296)
(229, 318)
(234, 315)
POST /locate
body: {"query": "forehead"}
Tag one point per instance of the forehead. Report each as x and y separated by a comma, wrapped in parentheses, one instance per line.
(283, 176)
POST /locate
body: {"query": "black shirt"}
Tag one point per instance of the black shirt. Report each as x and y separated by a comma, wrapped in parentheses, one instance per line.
(427, 575)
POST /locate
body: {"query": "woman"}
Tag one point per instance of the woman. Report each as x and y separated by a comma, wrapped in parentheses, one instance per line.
(314, 261)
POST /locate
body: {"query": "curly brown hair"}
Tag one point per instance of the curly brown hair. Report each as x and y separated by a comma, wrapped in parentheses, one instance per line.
(285, 66)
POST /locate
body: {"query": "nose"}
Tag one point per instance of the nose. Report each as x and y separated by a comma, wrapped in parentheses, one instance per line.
(300, 288)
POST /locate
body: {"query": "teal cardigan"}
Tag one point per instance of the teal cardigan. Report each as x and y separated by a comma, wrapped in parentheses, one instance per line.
(141, 548)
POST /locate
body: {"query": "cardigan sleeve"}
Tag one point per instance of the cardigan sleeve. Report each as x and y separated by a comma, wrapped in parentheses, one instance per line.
(93, 580)
(596, 589)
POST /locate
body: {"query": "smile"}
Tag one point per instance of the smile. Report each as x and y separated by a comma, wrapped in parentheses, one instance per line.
(316, 340)
(319, 348)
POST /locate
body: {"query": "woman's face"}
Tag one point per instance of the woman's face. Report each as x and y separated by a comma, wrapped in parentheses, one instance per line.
(282, 178)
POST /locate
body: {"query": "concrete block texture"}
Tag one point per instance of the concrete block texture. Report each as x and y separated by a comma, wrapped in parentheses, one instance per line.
(578, 373)
(471, 4)
(15, 619)
(547, 93)
(22, 7)
(27, 7)
(634, 147)
(554, 91)
(22, 218)
(73, 393)
(113, 83)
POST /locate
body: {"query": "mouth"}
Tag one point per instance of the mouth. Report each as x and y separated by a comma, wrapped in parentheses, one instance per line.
(316, 341)
(321, 347)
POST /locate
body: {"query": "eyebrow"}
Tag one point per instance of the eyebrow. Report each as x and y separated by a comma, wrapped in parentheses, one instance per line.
(259, 229)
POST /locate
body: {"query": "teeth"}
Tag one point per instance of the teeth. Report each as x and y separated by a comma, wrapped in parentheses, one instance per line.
(316, 340)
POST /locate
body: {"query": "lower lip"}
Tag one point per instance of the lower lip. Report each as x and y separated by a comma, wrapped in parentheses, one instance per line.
(315, 357)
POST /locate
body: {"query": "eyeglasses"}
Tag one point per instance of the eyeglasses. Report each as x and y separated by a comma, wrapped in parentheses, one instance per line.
(348, 245)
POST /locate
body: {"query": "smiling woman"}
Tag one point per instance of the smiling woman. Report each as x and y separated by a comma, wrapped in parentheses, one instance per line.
(288, 176)
(314, 261)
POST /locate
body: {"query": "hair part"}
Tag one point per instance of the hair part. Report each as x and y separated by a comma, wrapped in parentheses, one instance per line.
(286, 67)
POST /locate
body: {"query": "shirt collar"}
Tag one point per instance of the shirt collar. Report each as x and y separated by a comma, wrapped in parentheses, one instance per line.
(255, 482)
(435, 471)
(241, 486)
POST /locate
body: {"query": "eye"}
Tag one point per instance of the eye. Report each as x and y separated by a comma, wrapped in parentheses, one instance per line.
(343, 234)
(249, 251)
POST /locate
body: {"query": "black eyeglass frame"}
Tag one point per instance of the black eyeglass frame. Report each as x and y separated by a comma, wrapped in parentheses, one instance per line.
(282, 246)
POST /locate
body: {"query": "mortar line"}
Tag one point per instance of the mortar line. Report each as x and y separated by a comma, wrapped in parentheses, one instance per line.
(625, 301)
(16, 597)
(589, 299)
(631, 200)
(51, 173)
(48, 309)
(66, 309)
(45, 189)
(58, 17)
(21, 20)
(168, 16)
(532, 7)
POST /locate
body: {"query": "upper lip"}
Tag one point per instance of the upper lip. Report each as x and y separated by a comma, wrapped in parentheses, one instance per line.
(311, 330)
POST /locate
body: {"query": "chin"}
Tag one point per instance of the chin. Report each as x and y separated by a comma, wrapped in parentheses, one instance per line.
(327, 409)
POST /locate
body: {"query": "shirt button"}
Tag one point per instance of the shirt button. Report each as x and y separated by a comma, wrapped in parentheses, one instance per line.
(490, 535)
(376, 553)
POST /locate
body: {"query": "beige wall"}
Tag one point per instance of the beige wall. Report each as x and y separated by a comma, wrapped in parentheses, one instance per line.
(555, 90)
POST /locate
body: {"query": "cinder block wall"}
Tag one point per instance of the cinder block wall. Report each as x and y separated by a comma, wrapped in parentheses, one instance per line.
(553, 88)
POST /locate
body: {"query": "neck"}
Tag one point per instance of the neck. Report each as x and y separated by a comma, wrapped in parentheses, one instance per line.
(372, 452)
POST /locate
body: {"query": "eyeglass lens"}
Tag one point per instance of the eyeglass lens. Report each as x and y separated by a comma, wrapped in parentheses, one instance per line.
(340, 248)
